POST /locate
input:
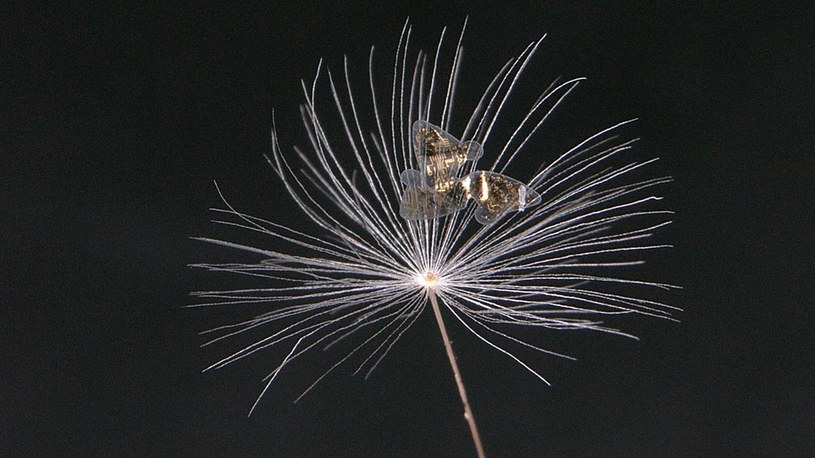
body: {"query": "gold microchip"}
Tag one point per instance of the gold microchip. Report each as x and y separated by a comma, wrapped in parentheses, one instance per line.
(497, 194)
(440, 155)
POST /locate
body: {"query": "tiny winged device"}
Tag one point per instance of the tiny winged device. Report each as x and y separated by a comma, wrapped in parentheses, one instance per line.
(438, 189)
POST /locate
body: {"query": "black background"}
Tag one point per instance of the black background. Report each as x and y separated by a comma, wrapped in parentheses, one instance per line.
(116, 121)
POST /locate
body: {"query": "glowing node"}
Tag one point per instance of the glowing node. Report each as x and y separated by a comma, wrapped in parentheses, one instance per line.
(428, 279)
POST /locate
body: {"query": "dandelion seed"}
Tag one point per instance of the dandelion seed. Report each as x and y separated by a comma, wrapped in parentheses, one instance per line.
(394, 230)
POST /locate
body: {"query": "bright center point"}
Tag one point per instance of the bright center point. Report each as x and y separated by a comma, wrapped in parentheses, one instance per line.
(428, 279)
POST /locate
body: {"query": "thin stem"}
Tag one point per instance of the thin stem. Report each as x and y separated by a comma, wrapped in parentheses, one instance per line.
(468, 413)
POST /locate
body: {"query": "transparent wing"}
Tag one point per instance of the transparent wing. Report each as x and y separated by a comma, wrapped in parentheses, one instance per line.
(413, 179)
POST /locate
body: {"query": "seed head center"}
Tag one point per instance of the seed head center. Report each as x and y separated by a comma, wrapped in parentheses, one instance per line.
(428, 279)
